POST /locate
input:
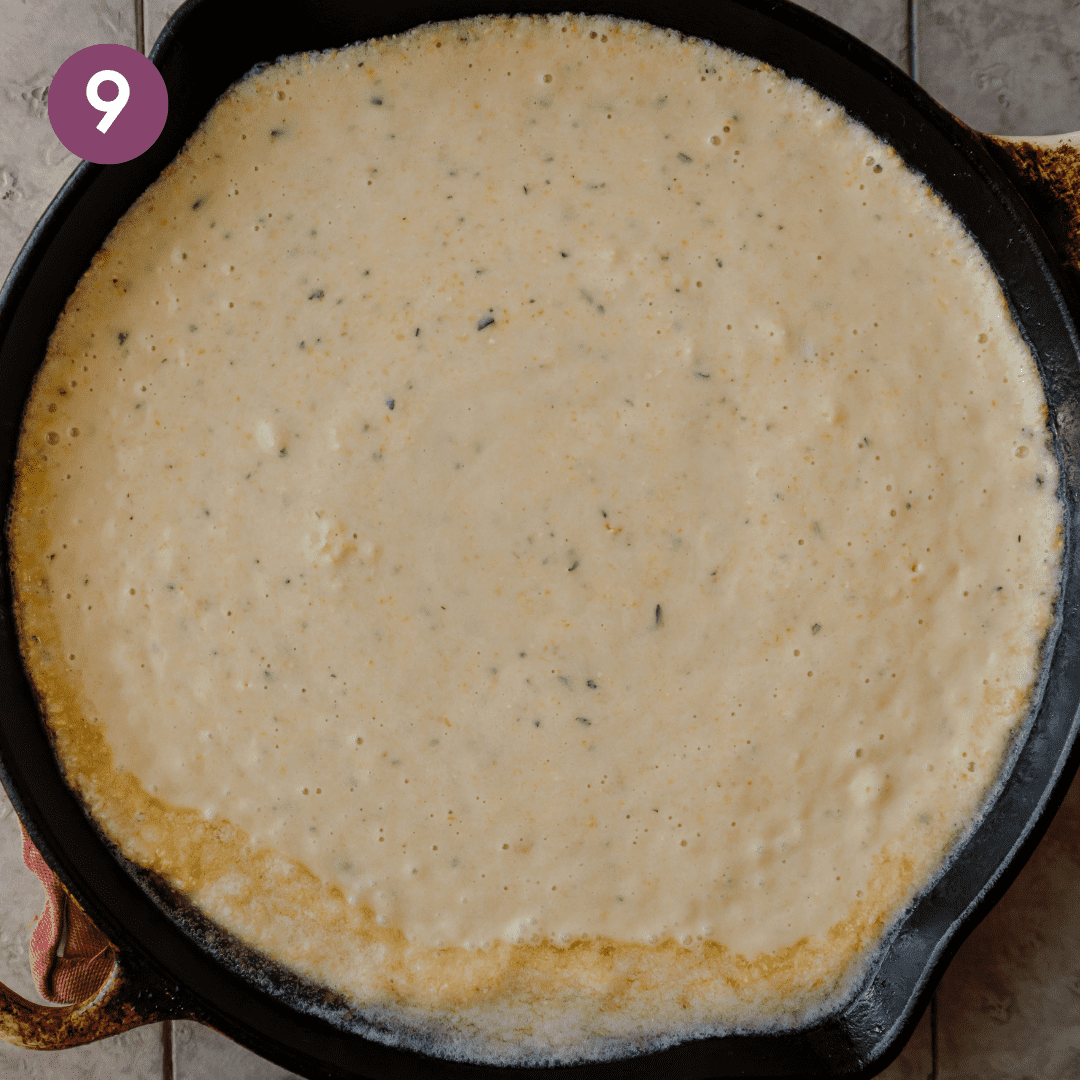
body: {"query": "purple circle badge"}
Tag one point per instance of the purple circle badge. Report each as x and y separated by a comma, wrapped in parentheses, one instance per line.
(108, 104)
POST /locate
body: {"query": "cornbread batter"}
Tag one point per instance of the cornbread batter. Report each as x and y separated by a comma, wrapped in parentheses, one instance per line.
(538, 524)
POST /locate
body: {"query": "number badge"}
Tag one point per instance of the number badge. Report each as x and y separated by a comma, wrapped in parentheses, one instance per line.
(108, 104)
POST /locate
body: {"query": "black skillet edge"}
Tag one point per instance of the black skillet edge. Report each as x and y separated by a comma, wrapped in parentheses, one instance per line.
(861, 1038)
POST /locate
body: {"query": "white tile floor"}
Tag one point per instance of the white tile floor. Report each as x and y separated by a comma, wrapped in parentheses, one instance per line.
(1009, 1006)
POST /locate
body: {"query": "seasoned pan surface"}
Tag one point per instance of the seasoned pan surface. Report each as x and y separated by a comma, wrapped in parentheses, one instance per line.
(875, 93)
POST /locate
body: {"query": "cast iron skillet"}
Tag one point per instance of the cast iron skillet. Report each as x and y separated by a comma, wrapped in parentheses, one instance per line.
(172, 966)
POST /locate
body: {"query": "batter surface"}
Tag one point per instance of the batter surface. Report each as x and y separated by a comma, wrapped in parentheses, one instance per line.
(542, 522)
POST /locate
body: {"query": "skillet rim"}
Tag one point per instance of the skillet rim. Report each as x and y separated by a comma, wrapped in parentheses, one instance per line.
(856, 1052)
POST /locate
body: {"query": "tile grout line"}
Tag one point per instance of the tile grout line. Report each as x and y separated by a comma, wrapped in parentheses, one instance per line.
(913, 39)
(933, 1036)
(140, 26)
(168, 1071)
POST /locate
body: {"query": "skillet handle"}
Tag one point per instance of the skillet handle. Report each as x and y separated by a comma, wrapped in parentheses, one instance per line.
(1046, 171)
(122, 1003)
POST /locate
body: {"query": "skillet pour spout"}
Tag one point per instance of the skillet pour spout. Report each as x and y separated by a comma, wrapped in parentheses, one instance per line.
(1032, 185)
(125, 1000)
(1046, 172)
